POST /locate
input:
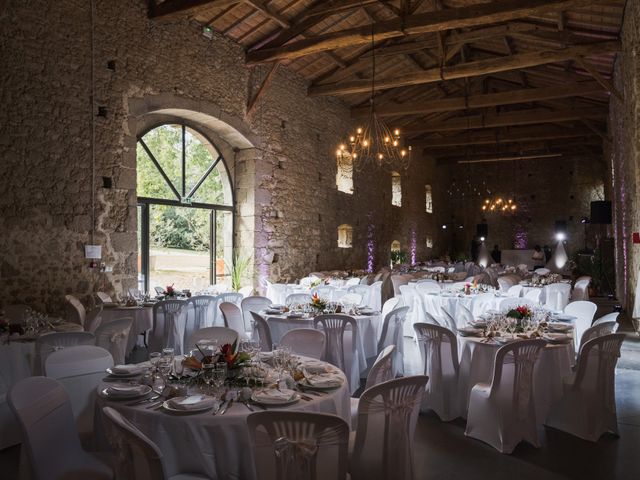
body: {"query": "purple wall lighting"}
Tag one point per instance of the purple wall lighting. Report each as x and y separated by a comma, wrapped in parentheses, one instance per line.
(414, 245)
(371, 246)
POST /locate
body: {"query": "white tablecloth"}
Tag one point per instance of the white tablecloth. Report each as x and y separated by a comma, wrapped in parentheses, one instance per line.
(216, 446)
(476, 366)
(142, 321)
(434, 304)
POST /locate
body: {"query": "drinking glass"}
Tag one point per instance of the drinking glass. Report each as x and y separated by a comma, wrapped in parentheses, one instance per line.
(154, 358)
(219, 375)
(208, 373)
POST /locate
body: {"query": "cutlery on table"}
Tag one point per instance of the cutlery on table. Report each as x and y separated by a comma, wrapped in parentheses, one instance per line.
(226, 407)
(222, 406)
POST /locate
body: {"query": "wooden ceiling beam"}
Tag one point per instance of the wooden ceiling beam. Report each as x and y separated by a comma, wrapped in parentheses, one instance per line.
(483, 101)
(184, 7)
(522, 117)
(336, 6)
(469, 69)
(463, 17)
(516, 157)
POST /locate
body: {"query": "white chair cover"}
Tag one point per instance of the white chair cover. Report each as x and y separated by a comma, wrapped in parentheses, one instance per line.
(412, 299)
(297, 298)
(169, 322)
(351, 299)
(51, 342)
(515, 291)
(581, 289)
(465, 314)
(588, 407)
(246, 291)
(230, 297)
(380, 371)
(557, 296)
(387, 417)
(113, 337)
(76, 313)
(261, 328)
(450, 322)
(80, 370)
(432, 320)
(304, 341)
(509, 303)
(364, 291)
(201, 313)
(396, 281)
(439, 352)
(352, 281)
(252, 304)
(298, 445)
(375, 295)
(217, 335)
(277, 293)
(93, 319)
(481, 301)
(428, 287)
(595, 331)
(51, 441)
(392, 334)
(103, 297)
(341, 345)
(609, 317)
(135, 293)
(584, 311)
(138, 457)
(324, 291)
(534, 295)
(308, 281)
(502, 413)
(338, 294)
(390, 305)
(232, 316)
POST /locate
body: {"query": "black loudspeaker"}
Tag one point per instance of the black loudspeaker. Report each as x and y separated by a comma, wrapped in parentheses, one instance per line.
(482, 230)
(561, 226)
(601, 212)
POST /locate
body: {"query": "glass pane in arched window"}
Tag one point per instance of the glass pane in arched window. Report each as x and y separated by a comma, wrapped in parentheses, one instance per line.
(149, 180)
(165, 144)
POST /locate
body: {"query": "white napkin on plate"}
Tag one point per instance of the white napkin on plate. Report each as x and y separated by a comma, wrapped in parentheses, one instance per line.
(274, 395)
(192, 402)
(125, 390)
(127, 369)
(325, 380)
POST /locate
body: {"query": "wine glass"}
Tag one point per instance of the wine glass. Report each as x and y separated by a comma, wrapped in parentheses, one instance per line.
(208, 373)
(219, 375)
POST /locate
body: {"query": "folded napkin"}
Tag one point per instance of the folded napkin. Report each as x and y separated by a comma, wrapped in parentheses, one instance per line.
(125, 390)
(326, 380)
(272, 395)
(128, 369)
(193, 402)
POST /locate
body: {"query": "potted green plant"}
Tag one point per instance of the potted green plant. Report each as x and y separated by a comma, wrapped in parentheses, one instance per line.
(238, 270)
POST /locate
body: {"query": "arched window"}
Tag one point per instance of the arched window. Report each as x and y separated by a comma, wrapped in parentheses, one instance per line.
(396, 189)
(429, 243)
(428, 198)
(344, 174)
(185, 209)
(345, 236)
(395, 246)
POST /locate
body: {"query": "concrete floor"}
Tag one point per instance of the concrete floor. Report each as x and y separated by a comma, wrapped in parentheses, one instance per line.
(443, 452)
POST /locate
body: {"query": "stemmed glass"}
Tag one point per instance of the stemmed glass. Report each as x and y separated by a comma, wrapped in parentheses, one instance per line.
(208, 369)
(219, 375)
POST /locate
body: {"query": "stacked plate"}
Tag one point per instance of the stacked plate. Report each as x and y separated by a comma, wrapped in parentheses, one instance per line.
(125, 391)
(470, 332)
(557, 338)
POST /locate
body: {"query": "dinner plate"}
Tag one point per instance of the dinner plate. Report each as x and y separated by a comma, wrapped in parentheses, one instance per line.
(556, 338)
(275, 402)
(304, 383)
(144, 390)
(123, 375)
(167, 406)
(559, 327)
(469, 332)
(564, 318)
(505, 340)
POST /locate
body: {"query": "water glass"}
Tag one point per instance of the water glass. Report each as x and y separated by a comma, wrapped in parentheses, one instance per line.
(219, 375)
(208, 373)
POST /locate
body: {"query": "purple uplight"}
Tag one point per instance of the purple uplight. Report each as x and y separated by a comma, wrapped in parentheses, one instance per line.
(520, 237)
(371, 246)
(414, 245)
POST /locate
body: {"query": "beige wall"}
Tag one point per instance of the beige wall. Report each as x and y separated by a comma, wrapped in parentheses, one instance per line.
(282, 156)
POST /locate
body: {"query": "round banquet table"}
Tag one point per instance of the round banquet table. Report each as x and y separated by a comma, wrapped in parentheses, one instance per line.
(433, 304)
(217, 445)
(476, 366)
(142, 320)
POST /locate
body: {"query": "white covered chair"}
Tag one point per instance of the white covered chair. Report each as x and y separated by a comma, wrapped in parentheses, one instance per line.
(515, 291)
(297, 298)
(450, 322)
(588, 406)
(389, 305)
(113, 337)
(51, 342)
(428, 287)
(76, 313)
(169, 322)
(349, 299)
(581, 289)
(380, 371)
(595, 331)
(341, 344)
(139, 457)
(351, 282)
(364, 292)
(392, 334)
(135, 293)
(216, 335)
(439, 353)
(261, 328)
(324, 291)
(50, 439)
(609, 317)
(304, 341)
(232, 316)
(277, 293)
(80, 370)
(465, 314)
(557, 296)
(509, 303)
(533, 295)
(246, 291)
(502, 413)
(252, 304)
(584, 312)
(413, 300)
(201, 312)
(298, 445)
(375, 295)
(387, 418)
(93, 319)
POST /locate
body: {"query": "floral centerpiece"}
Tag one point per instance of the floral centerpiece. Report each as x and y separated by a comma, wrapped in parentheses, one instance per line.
(318, 303)
(522, 312)
(542, 280)
(170, 291)
(228, 353)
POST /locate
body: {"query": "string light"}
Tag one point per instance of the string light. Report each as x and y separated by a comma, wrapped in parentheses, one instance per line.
(499, 205)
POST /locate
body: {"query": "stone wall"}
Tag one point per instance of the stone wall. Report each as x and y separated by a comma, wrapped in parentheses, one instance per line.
(282, 156)
(545, 190)
(625, 155)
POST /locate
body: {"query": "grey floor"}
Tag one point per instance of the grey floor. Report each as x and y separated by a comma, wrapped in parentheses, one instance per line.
(443, 452)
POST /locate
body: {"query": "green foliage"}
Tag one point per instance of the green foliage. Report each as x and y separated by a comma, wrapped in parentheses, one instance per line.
(238, 270)
(398, 257)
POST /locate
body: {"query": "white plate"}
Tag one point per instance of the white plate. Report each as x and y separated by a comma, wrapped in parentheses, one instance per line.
(144, 390)
(122, 375)
(305, 384)
(167, 406)
(559, 327)
(505, 340)
(564, 318)
(470, 332)
(274, 401)
(556, 338)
